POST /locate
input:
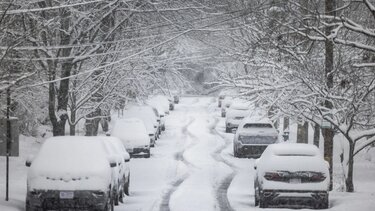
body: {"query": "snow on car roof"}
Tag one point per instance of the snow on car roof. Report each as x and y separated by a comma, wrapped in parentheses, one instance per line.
(129, 127)
(294, 149)
(74, 155)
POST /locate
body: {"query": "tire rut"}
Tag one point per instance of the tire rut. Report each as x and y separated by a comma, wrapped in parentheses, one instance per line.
(222, 189)
(179, 156)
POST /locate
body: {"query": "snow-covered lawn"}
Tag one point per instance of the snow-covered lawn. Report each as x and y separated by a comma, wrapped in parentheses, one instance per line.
(192, 168)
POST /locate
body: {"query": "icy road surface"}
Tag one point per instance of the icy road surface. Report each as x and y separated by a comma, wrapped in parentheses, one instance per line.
(192, 168)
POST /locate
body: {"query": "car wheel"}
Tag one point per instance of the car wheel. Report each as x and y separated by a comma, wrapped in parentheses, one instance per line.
(235, 153)
(148, 154)
(126, 188)
(256, 197)
(163, 128)
(324, 204)
(116, 197)
(227, 130)
(263, 203)
(28, 207)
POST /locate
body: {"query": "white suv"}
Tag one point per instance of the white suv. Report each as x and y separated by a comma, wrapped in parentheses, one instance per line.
(70, 172)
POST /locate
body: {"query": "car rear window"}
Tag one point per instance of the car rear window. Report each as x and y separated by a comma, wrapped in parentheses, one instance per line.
(257, 139)
(257, 125)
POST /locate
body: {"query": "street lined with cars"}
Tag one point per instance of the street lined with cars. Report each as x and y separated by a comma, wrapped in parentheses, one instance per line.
(193, 166)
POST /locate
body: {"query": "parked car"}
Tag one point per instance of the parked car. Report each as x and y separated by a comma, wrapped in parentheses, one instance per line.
(235, 114)
(70, 173)
(133, 134)
(171, 104)
(220, 100)
(291, 174)
(160, 100)
(161, 113)
(226, 102)
(176, 99)
(253, 136)
(147, 115)
(121, 172)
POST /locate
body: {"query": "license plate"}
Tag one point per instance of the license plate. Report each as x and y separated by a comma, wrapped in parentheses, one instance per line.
(66, 195)
(295, 180)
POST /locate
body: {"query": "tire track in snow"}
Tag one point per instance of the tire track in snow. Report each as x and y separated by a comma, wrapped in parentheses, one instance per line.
(179, 157)
(222, 189)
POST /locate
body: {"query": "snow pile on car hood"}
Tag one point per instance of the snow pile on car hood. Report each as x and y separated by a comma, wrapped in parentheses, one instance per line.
(70, 163)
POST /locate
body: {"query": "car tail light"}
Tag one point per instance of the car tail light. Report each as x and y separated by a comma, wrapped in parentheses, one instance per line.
(317, 177)
(280, 176)
(98, 194)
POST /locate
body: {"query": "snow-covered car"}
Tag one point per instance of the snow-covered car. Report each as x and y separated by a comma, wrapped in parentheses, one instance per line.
(220, 100)
(161, 101)
(147, 115)
(176, 99)
(225, 105)
(70, 173)
(121, 172)
(161, 113)
(171, 104)
(235, 114)
(253, 136)
(291, 174)
(134, 136)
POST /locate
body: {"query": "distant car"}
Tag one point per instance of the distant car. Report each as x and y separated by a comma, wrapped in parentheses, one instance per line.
(225, 105)
(291, 174)
(70, 173)
(161, 114)
(147, 115)
(133, 134)
(161, 101)
(235, 114)
(176, 99)
(171, 104)
(253, 136)
(115, 147)
(220, 100)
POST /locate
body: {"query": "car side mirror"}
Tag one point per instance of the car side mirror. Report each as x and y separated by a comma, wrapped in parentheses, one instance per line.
(126, 157)
(29, 160)
(112, 161)
(28, 163)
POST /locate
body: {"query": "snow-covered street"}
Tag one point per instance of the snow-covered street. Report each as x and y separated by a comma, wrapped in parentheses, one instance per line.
(191, 168)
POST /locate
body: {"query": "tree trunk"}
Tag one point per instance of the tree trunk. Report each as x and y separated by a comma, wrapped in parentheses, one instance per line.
(316, 134)
(328, 133)
(92, 123)
(72, 127)
(349, 178)
(303, 133)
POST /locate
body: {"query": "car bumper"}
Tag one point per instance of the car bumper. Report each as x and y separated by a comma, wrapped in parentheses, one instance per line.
(294, 198)
(51, 199)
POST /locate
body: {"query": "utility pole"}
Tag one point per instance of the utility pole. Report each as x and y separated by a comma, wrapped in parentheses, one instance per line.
(328, 133)
(8, 140)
